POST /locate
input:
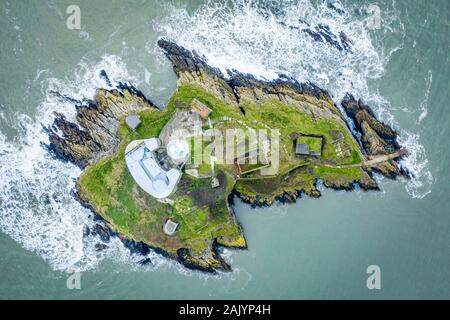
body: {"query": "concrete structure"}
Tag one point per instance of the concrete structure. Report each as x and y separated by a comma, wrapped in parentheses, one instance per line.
(149, 169)
(178, 151)
(170, 227)
(200, 108)
(302, 149)
(309, 145)
(182, 125)
(133, 121)
(215, 182)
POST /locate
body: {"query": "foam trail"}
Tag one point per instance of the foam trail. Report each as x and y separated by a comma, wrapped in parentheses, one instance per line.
(424, 103)
(268, 38)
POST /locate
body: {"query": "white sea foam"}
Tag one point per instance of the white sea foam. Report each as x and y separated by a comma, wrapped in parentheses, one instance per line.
(37, 208)
(267, 39)
(424, 104)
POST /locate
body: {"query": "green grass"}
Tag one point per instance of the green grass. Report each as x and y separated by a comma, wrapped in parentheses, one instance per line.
(314, 143)
(201, 211)
(285, 118)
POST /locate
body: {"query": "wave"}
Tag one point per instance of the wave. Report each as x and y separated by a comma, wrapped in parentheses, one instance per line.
(37, 208)
(303, 39)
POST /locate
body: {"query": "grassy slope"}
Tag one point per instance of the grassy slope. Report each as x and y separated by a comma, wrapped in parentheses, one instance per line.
(111, 190)
(201, 211)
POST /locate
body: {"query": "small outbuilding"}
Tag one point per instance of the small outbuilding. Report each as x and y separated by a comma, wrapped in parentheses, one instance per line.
(201, 109)
(170, 227)
(309, 145)
(133, 121)
(302, 149)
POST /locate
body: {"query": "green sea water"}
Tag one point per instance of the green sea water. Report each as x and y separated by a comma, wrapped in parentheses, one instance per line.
(314, 249)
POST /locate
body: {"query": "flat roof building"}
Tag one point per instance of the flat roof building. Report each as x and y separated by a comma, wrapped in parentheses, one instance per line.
(200, 108)
(146, 170)
(133, 121)
(302, 149)
(309, 145)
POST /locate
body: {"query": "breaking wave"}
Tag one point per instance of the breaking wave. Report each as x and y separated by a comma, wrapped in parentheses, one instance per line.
(37, 208)
(340, 49)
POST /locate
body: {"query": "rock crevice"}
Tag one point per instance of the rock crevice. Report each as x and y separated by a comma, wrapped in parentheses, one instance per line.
(95, 133)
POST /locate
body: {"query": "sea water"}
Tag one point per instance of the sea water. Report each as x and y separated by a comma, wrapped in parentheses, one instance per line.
(317, 248)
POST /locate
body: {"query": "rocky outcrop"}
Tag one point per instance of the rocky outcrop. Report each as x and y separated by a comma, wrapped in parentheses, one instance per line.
(376, 139)
(190, 67)
(95, 133)
(211, 261)
(323, 33)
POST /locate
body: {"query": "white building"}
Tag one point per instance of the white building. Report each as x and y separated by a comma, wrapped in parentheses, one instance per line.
(148, 171)
(178, 151)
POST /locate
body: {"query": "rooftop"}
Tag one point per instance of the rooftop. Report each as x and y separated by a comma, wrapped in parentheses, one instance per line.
(200, 108)
(133, 121)
(145, 169)
(170, 227)
(302, 148)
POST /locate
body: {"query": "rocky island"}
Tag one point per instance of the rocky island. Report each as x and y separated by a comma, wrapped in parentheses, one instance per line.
(315, 141)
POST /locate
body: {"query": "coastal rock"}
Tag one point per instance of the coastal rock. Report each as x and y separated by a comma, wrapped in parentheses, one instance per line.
(190, 67)
(103, 232)
(210, 261)
(95, 133)
(323, 33)
(377, 138)
(145, 262)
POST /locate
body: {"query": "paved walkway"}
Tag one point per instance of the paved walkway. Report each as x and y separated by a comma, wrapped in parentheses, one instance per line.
(377, 159)
(383, 158)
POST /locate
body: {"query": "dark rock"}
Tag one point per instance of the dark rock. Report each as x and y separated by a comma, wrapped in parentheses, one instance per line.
(100, 246)
(186, 61)
(103, 232)
(336, 6)
(86, 231)
(376, 137)
(105, 77)
(145, 262)
(136, 247)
